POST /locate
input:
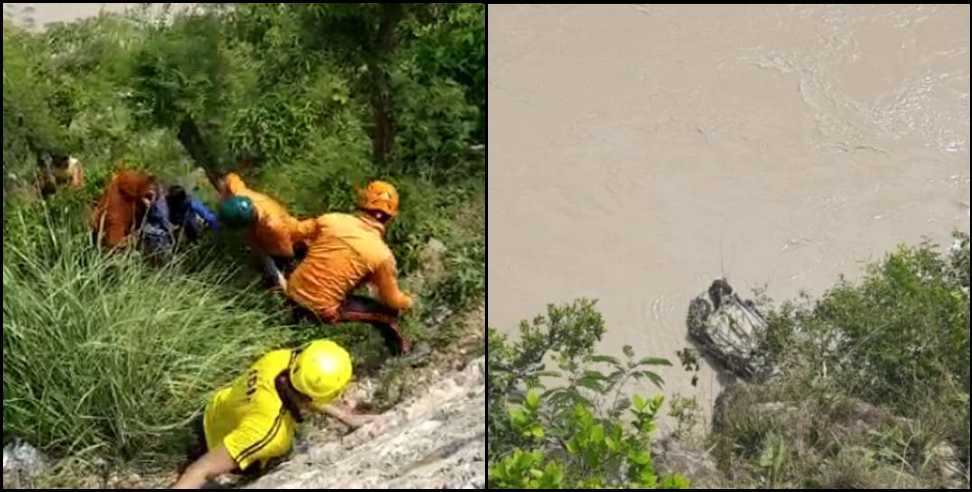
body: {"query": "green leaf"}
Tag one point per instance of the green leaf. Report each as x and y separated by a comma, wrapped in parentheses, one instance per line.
(594, 375)
(597, 434)
(639, 457)
(639, 403)
(616, 375)
(612, 444)
(571, 447)
(537, 432)
(648, 479)
(554, 474)
(674, 482)
(591, 384)
(518, 416)
(654, 361)
(604, 359)
(533, 400)
(654, 378)
(657, 402)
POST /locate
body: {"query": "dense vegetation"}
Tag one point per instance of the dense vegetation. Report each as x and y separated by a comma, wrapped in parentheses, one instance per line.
(573, 435)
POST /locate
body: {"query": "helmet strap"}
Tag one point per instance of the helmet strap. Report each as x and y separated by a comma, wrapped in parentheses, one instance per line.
(288, 395)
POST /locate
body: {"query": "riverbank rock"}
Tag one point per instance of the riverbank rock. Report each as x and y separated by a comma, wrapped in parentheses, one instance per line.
(436, 440)
(432, 258)
(727, 328)
(843, 437)
(672, 456)
(22, 462)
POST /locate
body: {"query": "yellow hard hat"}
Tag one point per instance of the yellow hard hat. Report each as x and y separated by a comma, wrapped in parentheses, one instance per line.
(321, 371)
(380, 196)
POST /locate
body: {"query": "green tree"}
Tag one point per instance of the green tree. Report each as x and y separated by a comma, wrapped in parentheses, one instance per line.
(183, 79)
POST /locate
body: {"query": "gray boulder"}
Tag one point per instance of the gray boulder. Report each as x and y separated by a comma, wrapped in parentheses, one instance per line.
(22, 462)
(435, 441)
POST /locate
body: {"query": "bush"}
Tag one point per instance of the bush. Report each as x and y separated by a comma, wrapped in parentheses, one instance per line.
(567, 332)
(598, 455)
(960, 259)
(900, 337)
(899, 340)
(103, 353)
(29, 124)
(454, 46)
(436, 126)
(572, 435)
(308, 121)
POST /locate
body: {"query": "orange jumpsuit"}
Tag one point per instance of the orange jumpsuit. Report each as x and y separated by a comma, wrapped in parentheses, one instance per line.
(344, 251)
(121, 208)
(271, 234)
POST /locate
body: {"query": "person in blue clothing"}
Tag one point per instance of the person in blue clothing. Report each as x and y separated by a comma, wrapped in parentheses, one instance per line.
(171, 216)
(188, 214)
(157, 233)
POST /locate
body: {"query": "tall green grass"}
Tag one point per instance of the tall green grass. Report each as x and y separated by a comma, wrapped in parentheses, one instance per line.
(106, 353)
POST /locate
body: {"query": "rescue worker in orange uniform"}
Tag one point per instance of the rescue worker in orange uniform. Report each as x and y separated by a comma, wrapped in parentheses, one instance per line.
(269, 225)
(345, 251)
(121, 208)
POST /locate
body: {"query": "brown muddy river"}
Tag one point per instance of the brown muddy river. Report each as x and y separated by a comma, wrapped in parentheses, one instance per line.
(636, 152)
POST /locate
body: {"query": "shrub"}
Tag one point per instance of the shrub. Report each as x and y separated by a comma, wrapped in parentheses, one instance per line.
(454, 46)
(29, 124)
(596, 455)
(899, 337)
(436, 126)
(572, 435)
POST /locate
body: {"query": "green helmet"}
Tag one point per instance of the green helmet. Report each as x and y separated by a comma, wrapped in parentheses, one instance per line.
(237, 212)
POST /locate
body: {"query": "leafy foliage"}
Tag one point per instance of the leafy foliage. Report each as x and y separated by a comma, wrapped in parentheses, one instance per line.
(901, 336)
(874, 382)
(573, 435)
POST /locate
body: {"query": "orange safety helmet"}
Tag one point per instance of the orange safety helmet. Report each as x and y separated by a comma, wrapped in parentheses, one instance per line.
(380, 196)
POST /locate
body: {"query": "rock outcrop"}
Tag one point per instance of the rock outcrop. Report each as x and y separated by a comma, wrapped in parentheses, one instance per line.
(672, 456)
(812, 428)
(437, 440)
(22, 462)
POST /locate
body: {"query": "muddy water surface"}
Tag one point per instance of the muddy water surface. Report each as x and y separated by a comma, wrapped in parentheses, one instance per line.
(637, 152)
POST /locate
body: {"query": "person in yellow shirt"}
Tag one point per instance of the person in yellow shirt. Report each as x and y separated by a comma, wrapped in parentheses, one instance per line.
(345, 251)
(253, 421)
(269, 225)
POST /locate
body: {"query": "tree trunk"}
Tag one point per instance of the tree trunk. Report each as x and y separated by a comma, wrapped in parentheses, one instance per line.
(383, 133)
(192, 140)
(383, 111)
